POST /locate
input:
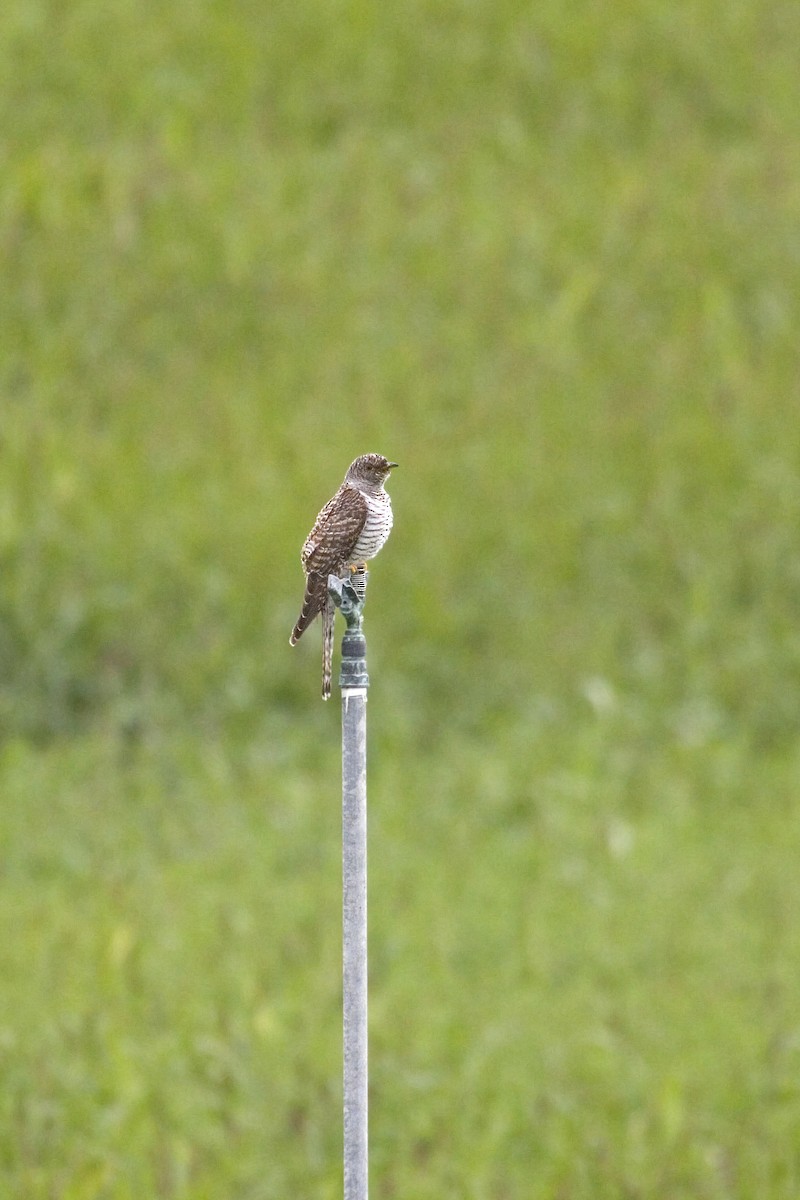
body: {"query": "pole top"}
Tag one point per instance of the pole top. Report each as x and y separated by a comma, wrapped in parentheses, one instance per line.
(348, 595)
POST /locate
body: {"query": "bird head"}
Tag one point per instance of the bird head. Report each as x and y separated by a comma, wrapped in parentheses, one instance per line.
(370, 470)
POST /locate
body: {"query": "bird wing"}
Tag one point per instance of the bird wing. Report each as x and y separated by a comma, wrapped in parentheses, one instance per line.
(336, 532)
(314, 599)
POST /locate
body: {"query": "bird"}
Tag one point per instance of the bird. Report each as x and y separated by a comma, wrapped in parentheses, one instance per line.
(351, 528)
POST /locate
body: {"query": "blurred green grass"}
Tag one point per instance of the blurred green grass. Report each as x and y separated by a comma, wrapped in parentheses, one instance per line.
(549, 262)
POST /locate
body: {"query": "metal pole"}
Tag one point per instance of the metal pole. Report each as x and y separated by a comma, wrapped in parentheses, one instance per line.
(353, 680)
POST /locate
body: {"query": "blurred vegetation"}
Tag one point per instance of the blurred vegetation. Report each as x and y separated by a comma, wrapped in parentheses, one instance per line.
(549, 261)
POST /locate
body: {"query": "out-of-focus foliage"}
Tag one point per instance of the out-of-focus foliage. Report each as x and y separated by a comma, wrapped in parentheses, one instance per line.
(548, 259)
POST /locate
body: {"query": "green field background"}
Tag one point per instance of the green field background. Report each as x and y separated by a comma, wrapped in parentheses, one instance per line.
(547, 257)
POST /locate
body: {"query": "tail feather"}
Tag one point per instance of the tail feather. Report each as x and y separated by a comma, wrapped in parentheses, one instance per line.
(328, 613)
(313, 604)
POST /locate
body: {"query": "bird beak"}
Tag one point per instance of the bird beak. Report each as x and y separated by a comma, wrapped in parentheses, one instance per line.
(390, 466)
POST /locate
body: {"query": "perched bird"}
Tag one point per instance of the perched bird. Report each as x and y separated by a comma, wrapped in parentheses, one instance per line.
(351, 528)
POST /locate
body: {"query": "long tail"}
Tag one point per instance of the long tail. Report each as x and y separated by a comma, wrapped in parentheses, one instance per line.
(313, 603)
(328, 613)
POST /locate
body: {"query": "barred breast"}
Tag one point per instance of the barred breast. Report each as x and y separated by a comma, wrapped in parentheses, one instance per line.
(377, 528)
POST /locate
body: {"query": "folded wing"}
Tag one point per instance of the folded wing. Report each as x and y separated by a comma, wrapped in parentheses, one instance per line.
(327, 549)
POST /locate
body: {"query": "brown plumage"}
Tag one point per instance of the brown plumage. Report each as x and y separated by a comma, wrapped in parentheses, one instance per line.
(351, 528)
